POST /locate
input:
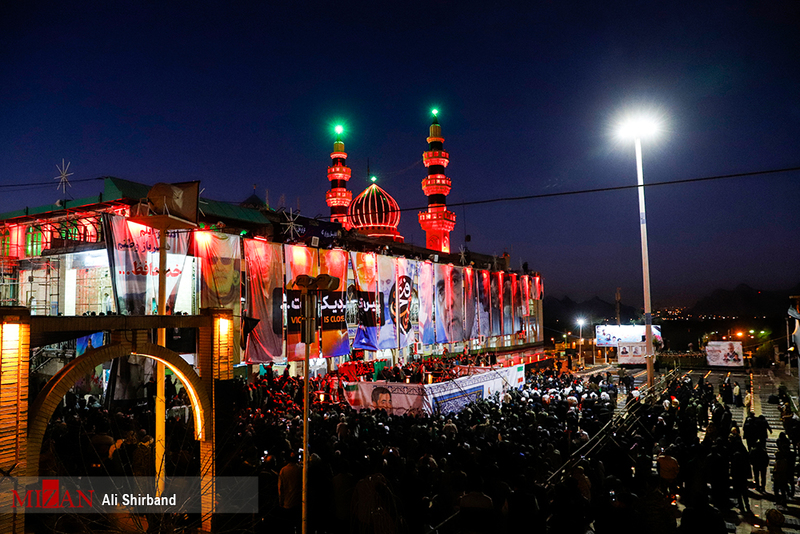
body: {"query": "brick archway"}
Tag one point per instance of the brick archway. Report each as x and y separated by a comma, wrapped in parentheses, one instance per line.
(48, 399)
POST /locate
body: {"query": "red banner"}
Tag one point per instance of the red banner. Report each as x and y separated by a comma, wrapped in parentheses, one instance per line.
(265, 272)
(299, 260)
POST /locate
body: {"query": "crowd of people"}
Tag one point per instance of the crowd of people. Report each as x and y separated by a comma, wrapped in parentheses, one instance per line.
(500, 465)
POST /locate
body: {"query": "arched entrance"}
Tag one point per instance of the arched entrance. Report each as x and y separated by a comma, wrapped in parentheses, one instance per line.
(21, 436)
(48, 399)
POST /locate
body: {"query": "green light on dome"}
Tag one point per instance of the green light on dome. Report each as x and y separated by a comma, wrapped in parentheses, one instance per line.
(339, 129)
(435, 111)
(373, 178)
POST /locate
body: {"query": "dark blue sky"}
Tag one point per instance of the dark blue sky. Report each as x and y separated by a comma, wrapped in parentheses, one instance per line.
(529, 94)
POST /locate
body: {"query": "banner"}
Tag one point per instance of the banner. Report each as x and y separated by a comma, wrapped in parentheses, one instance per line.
(395, 398)
(365, 269)
(455, 395)
(335, 341)
(402, 294)
(387, 276)
(725, 353)
(449, 304)
(220, 258)
(508, 304)
(134, 260)
(426, 303)
(484, 304)
(440, 398)
(497, 303)
(265, 270)
(610, 335)
(299, 260)
(470, 304)
(632, 353)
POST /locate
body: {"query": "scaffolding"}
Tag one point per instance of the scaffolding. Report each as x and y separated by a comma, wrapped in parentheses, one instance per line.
(40, 284)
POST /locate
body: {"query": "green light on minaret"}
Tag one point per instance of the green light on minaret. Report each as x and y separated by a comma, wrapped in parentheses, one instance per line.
(373, 178)
(338, 129)
(435, 112)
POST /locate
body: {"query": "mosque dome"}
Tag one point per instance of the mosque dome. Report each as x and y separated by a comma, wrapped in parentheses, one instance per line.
(375, 213)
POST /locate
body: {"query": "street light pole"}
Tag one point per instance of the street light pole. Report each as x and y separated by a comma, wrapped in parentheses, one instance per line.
(580, 341)
(648, 315)
(309, 287)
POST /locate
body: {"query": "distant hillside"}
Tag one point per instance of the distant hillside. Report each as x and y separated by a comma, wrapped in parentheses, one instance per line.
(744, 301)
(596, 311)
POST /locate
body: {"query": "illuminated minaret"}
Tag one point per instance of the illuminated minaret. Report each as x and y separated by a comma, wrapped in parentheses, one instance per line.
(437, 222)
(338, 198)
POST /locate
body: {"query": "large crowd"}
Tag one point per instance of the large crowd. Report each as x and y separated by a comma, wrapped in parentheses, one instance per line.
(500, 465)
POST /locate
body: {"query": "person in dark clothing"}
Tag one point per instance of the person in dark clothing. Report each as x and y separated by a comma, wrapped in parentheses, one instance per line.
(740, 475)
(759, 460)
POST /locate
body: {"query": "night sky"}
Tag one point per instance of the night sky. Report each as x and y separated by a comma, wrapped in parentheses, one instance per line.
(237, 94)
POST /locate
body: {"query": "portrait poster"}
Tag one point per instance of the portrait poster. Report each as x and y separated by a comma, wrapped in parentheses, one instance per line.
(365, 272)
(395, 398)
(630, 352)
(387, 278)
(537, 287)
(335, 341)
(449, 304)
(426, 285)
(508, 304)
(299, 260)
(90, 342)
(516, 301)
(403, 296)
(457, 316)
(725, 353)
(484, 303)
(134, 260)
(264, 263)
(470, 304)
(496, 291)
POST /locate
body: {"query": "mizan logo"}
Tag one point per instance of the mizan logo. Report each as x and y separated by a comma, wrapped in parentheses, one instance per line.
(50, 496)
(401, 294)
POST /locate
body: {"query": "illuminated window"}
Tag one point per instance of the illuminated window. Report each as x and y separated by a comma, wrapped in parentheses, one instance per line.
(5, 242)
(33, 241)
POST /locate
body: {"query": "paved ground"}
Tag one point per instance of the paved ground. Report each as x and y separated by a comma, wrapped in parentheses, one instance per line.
(765, 383)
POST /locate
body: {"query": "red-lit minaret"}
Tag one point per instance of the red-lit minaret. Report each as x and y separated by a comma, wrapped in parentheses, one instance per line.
(338, 198)
(437, 222)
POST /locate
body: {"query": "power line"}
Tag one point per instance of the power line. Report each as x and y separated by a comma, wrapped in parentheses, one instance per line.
(616, 188)
(44, 184)
(605, 189)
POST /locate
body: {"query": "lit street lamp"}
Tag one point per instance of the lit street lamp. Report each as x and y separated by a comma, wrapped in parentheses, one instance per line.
(581, 322)
(636, 129)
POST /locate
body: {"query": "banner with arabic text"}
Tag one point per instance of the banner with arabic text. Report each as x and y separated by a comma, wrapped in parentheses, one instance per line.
(365, 271)
(403, 292)
(134, 260)
(299, 260)
(265, 271)
(335, 341)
